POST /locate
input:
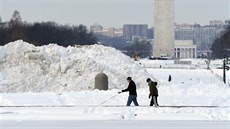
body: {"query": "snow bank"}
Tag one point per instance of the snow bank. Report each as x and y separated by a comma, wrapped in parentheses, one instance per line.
(24, 67)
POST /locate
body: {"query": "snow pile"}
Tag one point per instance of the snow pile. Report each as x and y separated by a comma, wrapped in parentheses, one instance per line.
(24, 67)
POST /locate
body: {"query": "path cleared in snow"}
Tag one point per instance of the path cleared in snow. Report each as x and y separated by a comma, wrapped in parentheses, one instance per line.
(113, 113)
(115, 124)
(207, 102)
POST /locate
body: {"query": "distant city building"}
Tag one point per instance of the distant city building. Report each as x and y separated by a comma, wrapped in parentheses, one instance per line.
(135, 30)
(202, 36)
(110, 32)
(216, 23)
(151, 33)
(185, 49)
(96, 28)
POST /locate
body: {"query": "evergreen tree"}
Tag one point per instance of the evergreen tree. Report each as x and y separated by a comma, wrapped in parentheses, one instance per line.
(221, 46)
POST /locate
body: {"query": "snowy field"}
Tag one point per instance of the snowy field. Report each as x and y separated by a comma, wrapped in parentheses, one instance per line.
(116, 124)
(199, 102)
(49, 84)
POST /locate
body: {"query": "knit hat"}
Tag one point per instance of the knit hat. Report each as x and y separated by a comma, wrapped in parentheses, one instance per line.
(148, 80)
(129, 78)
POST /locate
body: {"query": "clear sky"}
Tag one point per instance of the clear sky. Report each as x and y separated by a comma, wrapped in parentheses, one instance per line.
(112, 13)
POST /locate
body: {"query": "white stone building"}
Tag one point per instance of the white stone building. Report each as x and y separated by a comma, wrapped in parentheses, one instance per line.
(185, 49)
(202, 36)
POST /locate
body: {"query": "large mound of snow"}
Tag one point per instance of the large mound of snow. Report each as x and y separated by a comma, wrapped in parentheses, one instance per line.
(24, 67)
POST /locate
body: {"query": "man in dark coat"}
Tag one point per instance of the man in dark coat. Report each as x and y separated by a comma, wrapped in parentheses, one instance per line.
(132, 92)
(153, 92)
(170, 78)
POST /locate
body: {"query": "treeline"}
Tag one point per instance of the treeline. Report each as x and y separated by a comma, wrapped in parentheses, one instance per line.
(221, 46)
(47, 32)
(44, 33)
(140, 47)
(116, 42)
(137, 47)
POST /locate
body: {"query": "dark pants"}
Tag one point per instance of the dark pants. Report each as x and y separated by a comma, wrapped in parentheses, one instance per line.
(132, 98)
(154, 101)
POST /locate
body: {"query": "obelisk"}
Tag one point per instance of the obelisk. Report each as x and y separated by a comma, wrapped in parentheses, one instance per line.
(164, 39)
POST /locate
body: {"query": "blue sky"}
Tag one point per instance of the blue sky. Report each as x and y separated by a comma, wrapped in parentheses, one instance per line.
(112, 13)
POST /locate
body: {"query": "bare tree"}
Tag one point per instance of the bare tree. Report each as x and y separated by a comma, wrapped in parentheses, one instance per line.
(15, 23)
(16, 18)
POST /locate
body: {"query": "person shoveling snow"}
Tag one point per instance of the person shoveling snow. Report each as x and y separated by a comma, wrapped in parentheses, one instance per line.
(132, 92)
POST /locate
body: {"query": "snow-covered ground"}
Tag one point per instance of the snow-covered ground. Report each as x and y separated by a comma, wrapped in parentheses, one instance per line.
(86, 105)
(31, 79)
(72, 124)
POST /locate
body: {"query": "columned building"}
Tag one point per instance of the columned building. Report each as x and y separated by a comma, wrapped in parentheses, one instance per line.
(202, 36)
(185, 49)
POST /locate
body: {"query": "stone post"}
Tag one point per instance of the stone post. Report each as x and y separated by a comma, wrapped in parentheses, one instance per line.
(101, 81)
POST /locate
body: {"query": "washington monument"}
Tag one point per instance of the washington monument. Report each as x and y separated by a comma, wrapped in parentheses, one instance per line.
(164, 28)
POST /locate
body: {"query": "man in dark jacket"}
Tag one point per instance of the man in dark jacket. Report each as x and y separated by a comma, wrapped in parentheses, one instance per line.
(132, 92)
(153, 92)
(170, 78)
